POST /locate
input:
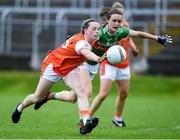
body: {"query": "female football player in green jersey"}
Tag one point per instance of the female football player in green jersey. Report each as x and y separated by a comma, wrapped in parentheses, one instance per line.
(109, 35)
(119, 73)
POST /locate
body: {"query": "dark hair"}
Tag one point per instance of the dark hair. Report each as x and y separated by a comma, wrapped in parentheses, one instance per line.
(117, 5)
(104, 12)
(114, 11)
(86, 22)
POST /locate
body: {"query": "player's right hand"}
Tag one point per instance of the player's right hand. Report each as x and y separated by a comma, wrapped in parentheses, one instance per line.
(102, 58)
(164, 40)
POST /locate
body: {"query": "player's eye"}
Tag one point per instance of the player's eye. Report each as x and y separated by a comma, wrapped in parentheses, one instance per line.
(115, 20)
(94, 28)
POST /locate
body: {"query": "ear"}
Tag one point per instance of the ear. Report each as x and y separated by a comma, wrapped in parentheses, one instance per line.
(85, 31)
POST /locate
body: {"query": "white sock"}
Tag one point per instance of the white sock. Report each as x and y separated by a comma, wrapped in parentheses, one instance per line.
(20, 108)
(85, 118)
(118, 118)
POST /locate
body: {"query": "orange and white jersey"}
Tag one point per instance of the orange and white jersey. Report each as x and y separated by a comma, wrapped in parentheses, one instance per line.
(67, 56)
(125, 44)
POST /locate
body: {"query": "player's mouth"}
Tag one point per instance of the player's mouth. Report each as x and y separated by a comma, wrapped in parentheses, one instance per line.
(115, 28)
(96, 37)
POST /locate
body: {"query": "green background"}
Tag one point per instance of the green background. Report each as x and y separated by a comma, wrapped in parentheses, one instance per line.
(152, 110)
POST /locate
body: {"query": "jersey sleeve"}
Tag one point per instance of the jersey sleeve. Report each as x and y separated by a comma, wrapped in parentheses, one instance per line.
(82, 44)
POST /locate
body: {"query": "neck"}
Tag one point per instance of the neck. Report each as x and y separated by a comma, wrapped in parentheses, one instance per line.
(110, 31)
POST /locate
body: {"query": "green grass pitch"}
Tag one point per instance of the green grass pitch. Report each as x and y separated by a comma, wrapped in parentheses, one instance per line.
(152, 110)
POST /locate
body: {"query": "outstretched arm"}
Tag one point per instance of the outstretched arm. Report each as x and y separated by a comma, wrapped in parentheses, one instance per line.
(141, 34)
(163, 40)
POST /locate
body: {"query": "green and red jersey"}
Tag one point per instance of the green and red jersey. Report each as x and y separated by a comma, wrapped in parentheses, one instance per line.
(107, 40)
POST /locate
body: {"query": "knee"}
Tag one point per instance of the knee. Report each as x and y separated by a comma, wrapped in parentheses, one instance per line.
(89, 93)
(84, 92)
(102, 96)
(123, 95)
(80, 93)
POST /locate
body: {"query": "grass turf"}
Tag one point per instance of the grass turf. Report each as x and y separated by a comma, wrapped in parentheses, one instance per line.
(151, 111)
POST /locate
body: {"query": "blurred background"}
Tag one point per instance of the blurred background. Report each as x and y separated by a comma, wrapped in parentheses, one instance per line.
(29, 28)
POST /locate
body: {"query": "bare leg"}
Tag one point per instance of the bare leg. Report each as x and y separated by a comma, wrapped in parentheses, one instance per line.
(105, 87)
(123, 86)
(41, 91)
(87, 124)
(72, 81)
(66, 96)
(86, 81)
(70, 96)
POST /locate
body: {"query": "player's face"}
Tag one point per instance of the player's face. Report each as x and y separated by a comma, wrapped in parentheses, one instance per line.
(92, 31)
(114, 22)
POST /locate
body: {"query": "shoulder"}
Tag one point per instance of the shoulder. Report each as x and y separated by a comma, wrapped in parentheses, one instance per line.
(80, 40)
(123, 29)
(104, 23)
(104, 27)
(79, 37)
(82, 44)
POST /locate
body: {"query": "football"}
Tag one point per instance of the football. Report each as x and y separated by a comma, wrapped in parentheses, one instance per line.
(116, 54)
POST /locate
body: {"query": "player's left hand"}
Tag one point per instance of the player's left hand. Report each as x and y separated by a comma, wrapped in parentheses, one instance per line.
(135, 53)
(164, 40)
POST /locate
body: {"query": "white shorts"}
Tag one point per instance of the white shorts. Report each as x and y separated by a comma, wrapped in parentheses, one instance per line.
(93, 69)
(52, 76)
(114, 73)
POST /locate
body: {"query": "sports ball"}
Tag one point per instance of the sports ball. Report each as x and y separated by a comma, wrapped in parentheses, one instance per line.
(116, 54)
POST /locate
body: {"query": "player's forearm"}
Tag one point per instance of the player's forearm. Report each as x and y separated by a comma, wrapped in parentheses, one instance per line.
(148, 36)
(143, 35)
(161, 39)
(90, 55)
(132, 44)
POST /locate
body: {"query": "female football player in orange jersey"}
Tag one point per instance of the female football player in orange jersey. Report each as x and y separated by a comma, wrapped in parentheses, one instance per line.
(62, 63)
